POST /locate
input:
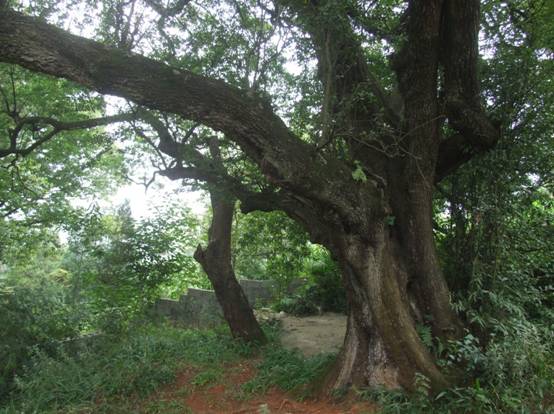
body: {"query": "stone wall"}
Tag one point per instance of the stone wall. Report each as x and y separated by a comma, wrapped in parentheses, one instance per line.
(199, 308)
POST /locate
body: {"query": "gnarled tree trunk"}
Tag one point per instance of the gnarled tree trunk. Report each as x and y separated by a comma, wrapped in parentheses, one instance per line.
(393, 283)
(215, 259)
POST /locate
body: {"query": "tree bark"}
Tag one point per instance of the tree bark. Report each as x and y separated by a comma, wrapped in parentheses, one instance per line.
(388, 297)
(216, 260)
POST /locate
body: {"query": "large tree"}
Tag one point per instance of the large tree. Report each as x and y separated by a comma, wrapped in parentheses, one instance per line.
(360, 178)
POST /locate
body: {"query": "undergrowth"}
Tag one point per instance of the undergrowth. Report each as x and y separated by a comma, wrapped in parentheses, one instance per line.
(512, 373)
(288, 370)
(117, 375)
(131, 367)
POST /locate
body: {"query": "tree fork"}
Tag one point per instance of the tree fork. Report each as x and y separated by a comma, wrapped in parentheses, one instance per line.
(217, 261)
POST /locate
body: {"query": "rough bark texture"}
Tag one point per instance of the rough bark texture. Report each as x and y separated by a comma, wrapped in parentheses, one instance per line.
(215, 259)
(379, 228)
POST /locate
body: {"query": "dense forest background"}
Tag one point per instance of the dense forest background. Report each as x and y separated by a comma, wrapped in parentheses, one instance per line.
(70, 265)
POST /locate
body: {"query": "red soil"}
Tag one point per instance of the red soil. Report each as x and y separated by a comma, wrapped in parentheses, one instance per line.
(225, 396)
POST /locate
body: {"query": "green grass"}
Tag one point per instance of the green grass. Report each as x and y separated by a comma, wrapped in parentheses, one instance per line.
(286, 369)
(209, 376)
(131, 367)
(118, 375)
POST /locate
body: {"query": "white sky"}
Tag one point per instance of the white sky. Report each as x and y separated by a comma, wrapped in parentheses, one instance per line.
(143, 202)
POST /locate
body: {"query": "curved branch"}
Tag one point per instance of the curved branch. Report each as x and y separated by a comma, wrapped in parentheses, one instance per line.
(285, 160)
(58, 126)
(459, 57)
(41, 47)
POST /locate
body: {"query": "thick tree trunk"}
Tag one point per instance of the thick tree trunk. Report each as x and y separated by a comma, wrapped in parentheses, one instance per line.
(215, 259)
(394, 283)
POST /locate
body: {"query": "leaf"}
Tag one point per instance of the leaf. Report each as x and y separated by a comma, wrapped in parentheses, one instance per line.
(358, 174)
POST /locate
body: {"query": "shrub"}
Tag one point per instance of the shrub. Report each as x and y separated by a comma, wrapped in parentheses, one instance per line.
(324, 291)
(33, 317)
(131, 367)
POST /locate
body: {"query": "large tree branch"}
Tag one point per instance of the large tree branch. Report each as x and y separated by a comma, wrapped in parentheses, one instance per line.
(211, 170)
(416, 66)
(38, 46)
(284, 159)
(465, 112)
(57, 127)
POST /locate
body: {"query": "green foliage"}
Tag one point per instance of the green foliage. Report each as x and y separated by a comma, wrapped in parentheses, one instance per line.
(36, 312)
(498, 259)
(124, 264)
(131, 367)
(298, 304)
(269, 246)
(112, 269)
(323, 291)
(37, 187)
(472, 399)
(286, 369)
(494, 227)
(358, 173)
(513, 373)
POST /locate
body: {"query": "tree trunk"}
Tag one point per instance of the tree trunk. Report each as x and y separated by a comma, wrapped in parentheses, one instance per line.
(393, 283)
(215, 259)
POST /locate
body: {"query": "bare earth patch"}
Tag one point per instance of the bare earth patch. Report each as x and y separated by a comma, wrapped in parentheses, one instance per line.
(310, 335)
(225, 397)
(313, 335)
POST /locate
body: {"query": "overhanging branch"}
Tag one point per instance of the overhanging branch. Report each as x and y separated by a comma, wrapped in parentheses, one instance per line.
(41, 47)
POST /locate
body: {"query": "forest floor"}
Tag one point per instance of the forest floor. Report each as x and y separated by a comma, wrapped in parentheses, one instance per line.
(226, 396)
(310, 335)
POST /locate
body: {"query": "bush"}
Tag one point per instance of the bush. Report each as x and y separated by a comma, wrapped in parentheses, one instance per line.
(33, 317)
(130, 367)
(122, 265)
(324, 291)
(299, 305)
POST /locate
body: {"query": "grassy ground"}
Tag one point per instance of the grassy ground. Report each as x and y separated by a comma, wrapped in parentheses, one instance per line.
(161, 369)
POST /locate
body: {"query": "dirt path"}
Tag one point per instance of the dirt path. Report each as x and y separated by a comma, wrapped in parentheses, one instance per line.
(313, 334)
(226, 397)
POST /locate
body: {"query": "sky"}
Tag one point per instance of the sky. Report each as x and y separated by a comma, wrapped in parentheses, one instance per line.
(143, 202)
